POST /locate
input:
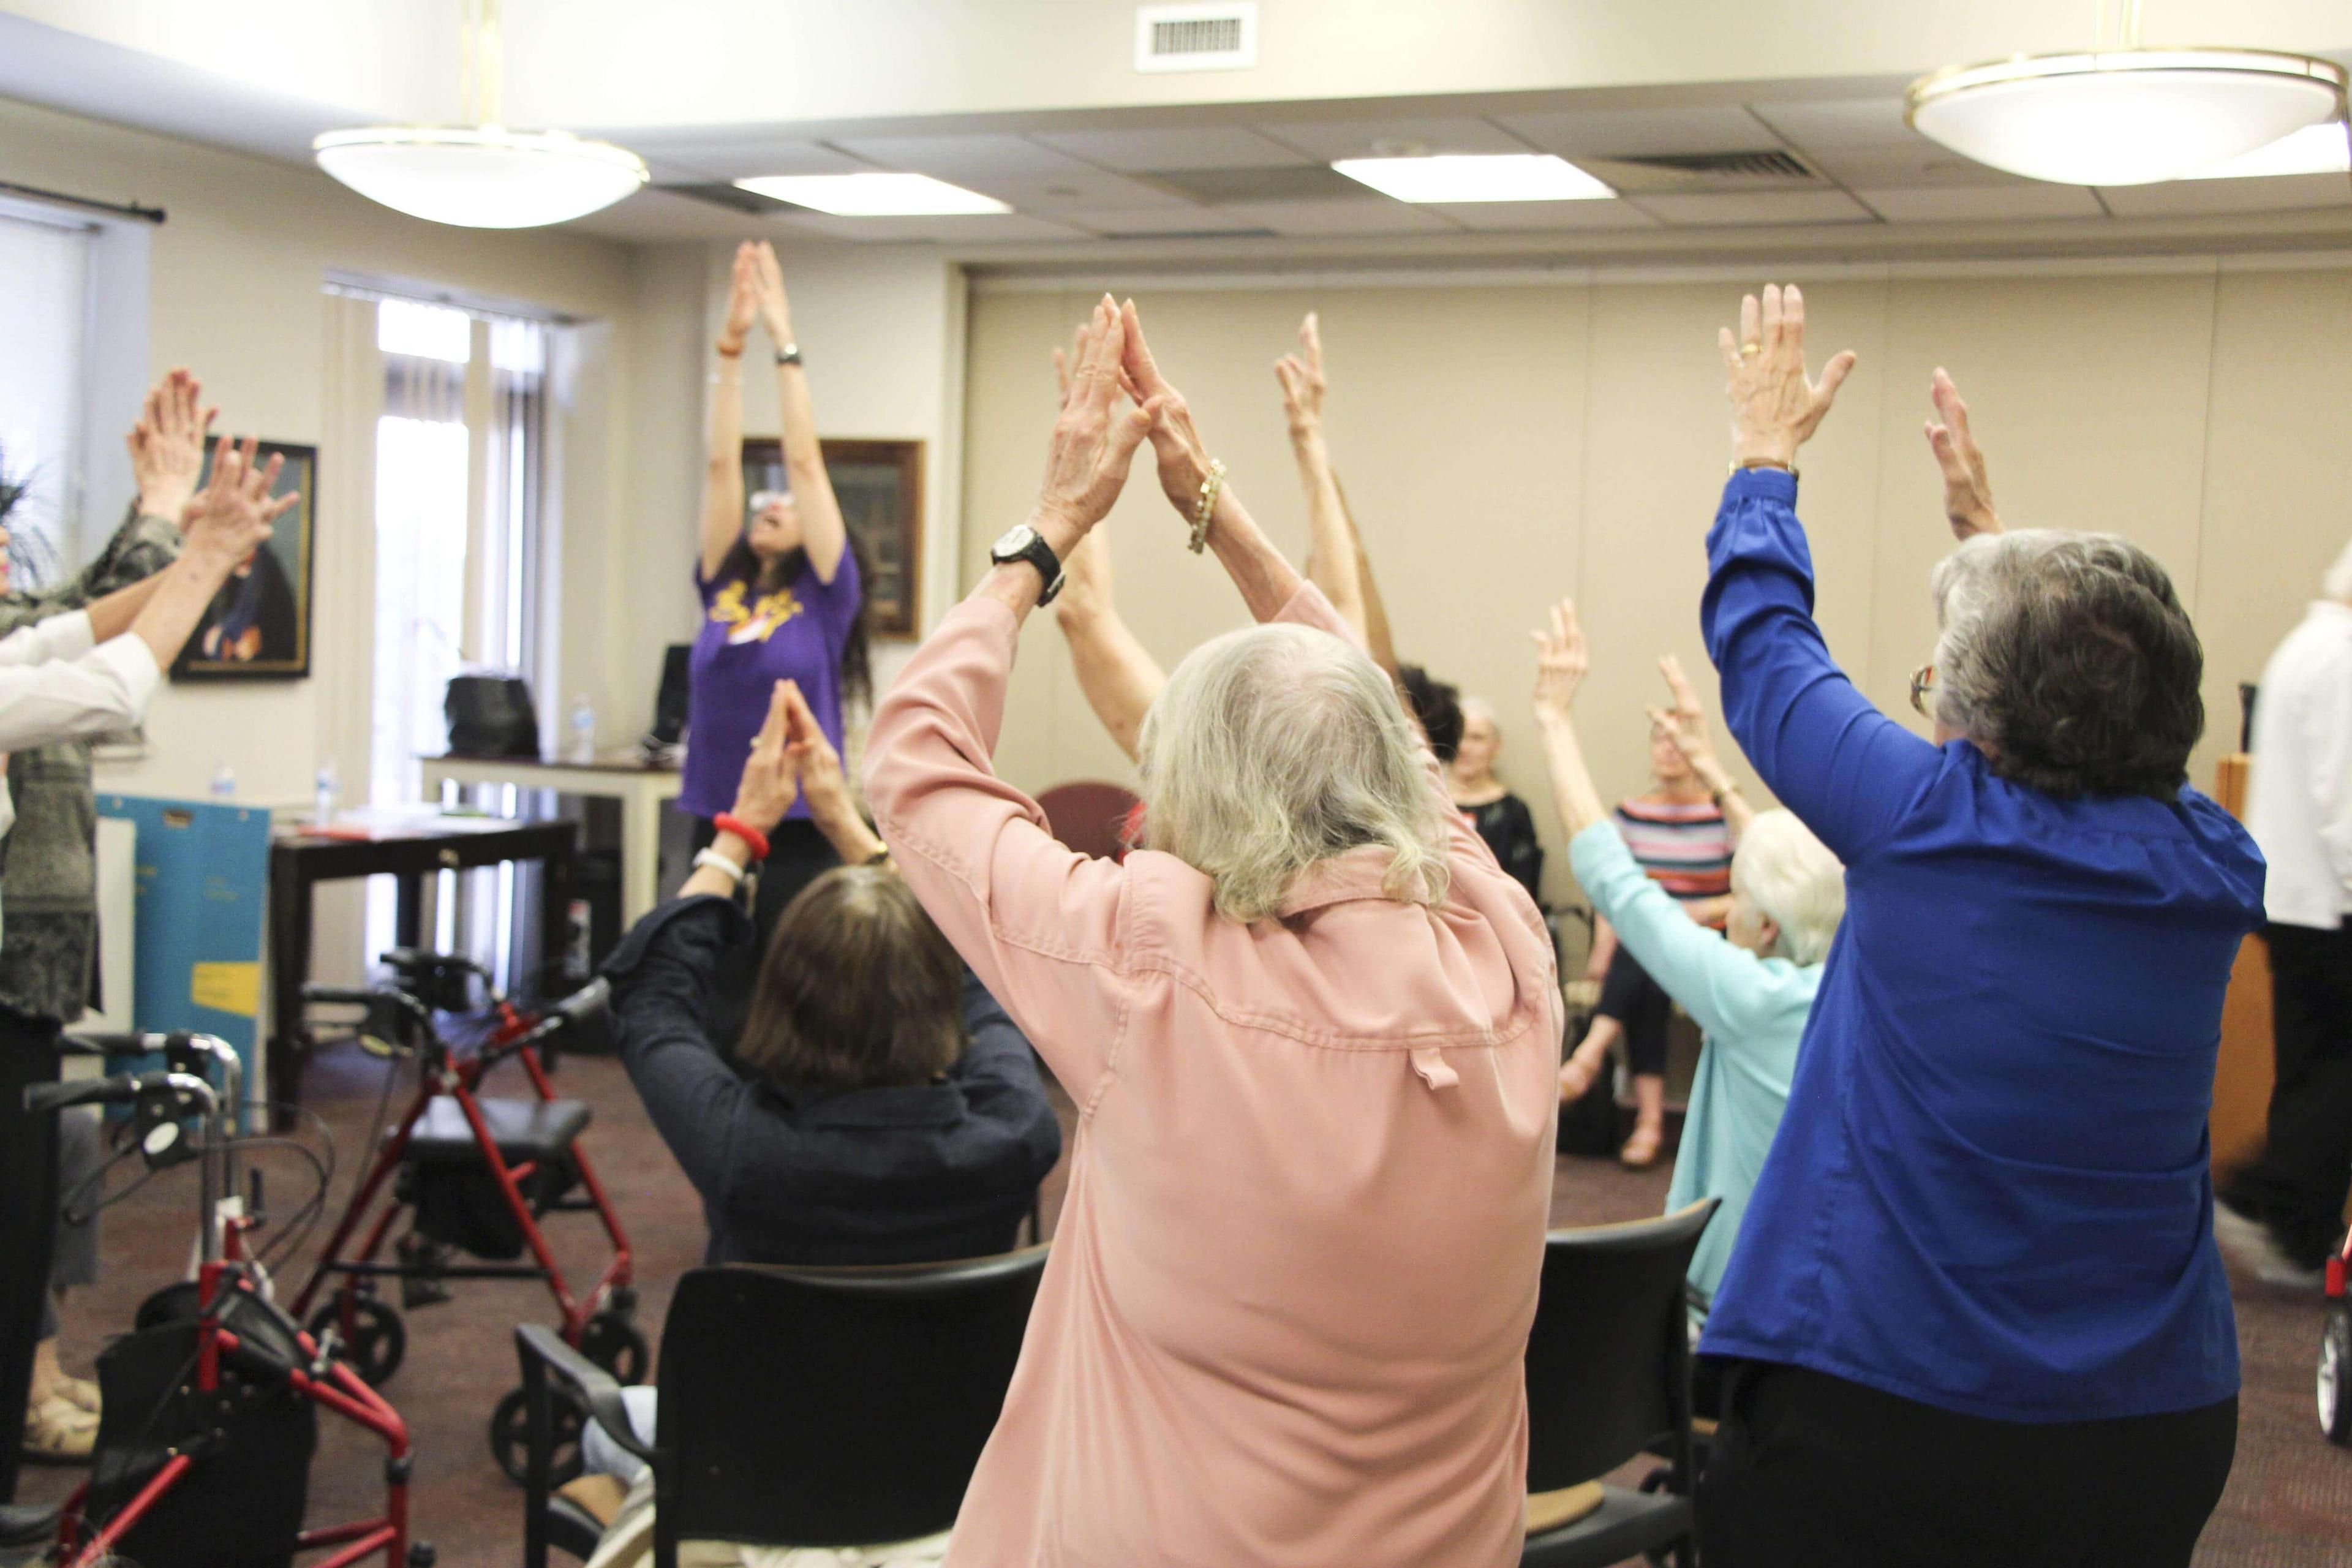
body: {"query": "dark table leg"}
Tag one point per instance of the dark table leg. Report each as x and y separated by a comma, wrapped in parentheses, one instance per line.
(408, 910)
(554, 919)
(289, 967)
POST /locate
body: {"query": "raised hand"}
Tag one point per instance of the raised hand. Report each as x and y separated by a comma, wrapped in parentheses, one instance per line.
(1685, 723)
(1561, 664)
(771, 779)
(768, 292)
(231, 517)
(742, 300)
(167, 445)
(1968, 493)
(1093, 446)
(815, 760)
(1302, 378)
(1183, 457)
(1775, 407)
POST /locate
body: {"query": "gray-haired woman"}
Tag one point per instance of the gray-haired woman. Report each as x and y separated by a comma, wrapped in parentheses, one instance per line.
(1975, 1313)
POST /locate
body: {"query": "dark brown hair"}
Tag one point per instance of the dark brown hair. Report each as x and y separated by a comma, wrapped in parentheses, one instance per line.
(784, 572)
(858, 989)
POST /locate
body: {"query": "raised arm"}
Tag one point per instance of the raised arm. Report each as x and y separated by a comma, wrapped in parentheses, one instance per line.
(1119, 676)
(722, 479)
(822, 533)
(1332, 551)
(1377, 638)
(1845, 769)
(1684, 723)
(1968, 492)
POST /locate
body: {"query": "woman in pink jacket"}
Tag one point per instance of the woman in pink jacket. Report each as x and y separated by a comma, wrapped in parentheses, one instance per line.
(1311, 1028)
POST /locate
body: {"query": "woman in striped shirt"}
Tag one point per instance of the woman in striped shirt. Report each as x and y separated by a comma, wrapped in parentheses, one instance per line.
(1682, 830)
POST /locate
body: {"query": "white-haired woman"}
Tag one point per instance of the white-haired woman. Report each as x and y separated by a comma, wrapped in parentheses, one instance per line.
(1975, 1313)
(1487, 802)
(1311, 1028)
(1751, 988)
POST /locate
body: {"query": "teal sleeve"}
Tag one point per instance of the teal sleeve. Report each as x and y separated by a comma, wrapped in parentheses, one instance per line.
(1720, 985)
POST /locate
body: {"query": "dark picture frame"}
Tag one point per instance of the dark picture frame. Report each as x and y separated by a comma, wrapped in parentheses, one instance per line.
(879, 484)
(257, 627)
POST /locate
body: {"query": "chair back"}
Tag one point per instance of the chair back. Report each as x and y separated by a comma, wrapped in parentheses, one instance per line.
(1609, 1357)
(1087, 815)
(842, 1406)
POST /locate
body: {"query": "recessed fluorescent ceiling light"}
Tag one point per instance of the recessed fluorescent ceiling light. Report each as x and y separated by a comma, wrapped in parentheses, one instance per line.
(1476, 177)
(876, 195)
(2313, 150)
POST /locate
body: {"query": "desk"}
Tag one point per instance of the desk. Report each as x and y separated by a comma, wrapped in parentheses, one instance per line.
(642, 791)
(300, 858)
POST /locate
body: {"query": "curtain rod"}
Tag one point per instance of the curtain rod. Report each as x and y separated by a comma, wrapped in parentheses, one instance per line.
(120, 209)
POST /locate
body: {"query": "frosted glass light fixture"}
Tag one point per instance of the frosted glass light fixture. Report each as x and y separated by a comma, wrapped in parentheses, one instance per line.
(2121, 114)
(482, 175)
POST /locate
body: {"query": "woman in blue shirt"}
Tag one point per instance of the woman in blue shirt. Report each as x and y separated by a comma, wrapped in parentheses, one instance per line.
(1976, 1314)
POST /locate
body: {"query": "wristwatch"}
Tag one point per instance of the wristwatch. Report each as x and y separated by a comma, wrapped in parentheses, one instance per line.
(788, 354)
(1023, 542)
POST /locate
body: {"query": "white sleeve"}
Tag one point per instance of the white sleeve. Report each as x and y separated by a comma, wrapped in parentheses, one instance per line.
(67, 635)
(63, 699)
(2326, 725)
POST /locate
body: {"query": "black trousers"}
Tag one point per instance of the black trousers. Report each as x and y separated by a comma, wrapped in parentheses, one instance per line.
(28, 1220)
(2299, 1185)
(1641, 1006)
(797, 856)
(1812, 1471)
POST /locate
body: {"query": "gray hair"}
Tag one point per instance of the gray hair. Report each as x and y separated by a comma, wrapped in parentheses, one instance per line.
(2337, 584)
(1785, 871)
(2068, 658)
(1479, 708)
(1276, 748)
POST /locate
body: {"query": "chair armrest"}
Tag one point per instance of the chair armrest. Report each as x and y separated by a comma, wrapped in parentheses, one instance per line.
(599, 1390)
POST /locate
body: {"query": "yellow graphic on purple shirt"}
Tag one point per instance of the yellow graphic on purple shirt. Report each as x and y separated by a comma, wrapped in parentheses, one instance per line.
(761, 621)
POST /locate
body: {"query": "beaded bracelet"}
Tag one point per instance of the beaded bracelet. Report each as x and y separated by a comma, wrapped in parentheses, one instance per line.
(1210, 487)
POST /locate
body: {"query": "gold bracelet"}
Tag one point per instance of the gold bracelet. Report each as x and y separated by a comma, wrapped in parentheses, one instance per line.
(1207, 508)
(1740, 468)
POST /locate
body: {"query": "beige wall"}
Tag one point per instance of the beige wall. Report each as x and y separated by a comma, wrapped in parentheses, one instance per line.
(1506, 444)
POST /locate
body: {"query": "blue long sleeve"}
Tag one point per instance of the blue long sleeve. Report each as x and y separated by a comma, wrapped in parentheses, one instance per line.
(1848, 771)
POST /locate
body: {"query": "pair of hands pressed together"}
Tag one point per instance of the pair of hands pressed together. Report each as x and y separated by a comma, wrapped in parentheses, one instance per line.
(790, 756)
(167, 445)
(756, 294)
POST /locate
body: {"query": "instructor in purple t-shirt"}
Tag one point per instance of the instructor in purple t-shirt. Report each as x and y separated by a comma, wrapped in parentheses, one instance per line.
(781, 601)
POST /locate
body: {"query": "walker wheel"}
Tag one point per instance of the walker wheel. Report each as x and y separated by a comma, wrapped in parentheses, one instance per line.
(377, 1342)
(617, 1345)
(510, 1435)
(2336, 1376)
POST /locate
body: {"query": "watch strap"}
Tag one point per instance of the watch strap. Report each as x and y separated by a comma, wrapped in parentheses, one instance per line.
(1040, 554)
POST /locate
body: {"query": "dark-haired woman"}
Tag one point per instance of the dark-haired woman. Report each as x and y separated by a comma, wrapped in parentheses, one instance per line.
(781, 600)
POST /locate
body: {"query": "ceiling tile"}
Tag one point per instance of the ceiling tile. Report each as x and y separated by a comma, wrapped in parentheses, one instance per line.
(1501, 216)
(1052, 195)
(1822, 125)
(1728, 207)
(1921, 163)
(1642, 132)
(1327, 141)
(2185, 198)
(1195, 147)
(1000, 228)
(1161, 221)
(1978, 203)
(964, 157)
(707, 157)
(1335, 217)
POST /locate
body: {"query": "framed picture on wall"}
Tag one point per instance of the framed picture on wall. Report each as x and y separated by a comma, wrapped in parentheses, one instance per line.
(257, 627)
(881, 487)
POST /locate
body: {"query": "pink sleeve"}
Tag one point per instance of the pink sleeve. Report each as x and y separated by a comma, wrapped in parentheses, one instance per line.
(1039, 923)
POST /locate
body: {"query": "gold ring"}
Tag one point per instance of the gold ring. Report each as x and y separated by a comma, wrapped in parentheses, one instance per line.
(1747, 349)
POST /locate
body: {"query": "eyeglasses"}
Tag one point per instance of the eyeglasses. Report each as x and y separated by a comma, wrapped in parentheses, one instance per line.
(1923, 681)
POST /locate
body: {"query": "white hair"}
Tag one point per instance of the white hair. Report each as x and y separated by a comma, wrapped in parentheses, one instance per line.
(1785, 871)
(2337, 584)
(1276, 748)
(1479, 708)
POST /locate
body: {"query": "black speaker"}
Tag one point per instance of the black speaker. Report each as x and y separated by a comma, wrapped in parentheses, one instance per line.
(670, 698)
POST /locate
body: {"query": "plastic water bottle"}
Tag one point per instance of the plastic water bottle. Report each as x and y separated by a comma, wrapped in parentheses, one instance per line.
(584, 729)
(223, 782)
(330, 784)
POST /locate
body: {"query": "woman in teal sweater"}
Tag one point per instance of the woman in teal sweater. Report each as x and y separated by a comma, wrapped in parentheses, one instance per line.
(1750, 988)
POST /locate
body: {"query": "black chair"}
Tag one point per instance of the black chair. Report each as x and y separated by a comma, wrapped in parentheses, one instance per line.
(1609, 1377)
(801, 1406)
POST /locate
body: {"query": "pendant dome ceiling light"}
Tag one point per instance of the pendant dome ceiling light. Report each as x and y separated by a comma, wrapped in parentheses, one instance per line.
(2122, 114)
(482, 175)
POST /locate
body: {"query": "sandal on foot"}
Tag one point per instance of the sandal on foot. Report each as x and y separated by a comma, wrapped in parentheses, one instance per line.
(59, 1432)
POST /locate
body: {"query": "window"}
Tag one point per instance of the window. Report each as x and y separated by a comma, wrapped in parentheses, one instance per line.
(45, 277)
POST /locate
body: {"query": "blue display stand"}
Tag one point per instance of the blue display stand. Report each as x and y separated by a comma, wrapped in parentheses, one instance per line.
(202, 877)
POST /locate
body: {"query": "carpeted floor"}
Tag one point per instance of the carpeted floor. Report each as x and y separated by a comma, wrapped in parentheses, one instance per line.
(2289, 1504)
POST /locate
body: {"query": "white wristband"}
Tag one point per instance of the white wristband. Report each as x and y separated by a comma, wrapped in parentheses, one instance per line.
(718, 862)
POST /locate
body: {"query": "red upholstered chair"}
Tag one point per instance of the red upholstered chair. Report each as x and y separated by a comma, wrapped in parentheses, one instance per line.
(1088, 814)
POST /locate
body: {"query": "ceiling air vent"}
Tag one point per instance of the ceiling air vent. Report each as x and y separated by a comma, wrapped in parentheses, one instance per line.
(1209, 37)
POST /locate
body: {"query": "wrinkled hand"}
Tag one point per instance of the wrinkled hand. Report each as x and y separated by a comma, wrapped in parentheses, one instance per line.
(1684, 723)
(231, 517)
(1561, 664)
(1302, 378)
(816, 761)
(768, 292)
(771, 779)
(1775, 408)
(742, 300)
(167, 445)
(1968, 493)
(1094, 446)
(1183, 457)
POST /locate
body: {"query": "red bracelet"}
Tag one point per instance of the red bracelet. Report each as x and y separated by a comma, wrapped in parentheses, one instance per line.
(744, 831)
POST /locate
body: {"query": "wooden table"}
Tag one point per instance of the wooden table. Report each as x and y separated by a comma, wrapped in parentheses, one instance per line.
(301, 859)
(624, 776)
